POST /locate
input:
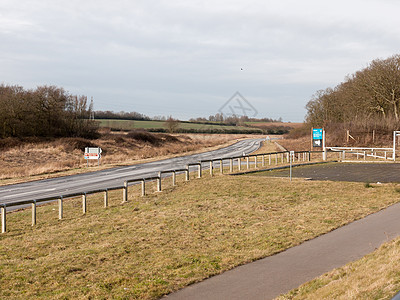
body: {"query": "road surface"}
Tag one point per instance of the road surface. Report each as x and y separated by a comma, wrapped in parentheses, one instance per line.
(115, 177)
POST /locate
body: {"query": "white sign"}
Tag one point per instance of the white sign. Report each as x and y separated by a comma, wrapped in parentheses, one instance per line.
(92, 153)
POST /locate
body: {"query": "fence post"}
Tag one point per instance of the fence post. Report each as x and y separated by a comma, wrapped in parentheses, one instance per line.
(125, 192)
(60, 208)
(309, 155)
(211, 167)
(106, 198)
(255, 162)
(365, 153)
(159, 182)
(221, 166)
(84, 203)
(187, 173)
(287, 156)
(269, 159)
(247, 162)
(282, 157)
(263, 160)
(3, 218)
(276, 158)
(231, 165)
(173, 178)
(239, 163)
(34, 213)
(143, 187)
(199, 170)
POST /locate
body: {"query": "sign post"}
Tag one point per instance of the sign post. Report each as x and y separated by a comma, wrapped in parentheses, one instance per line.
(318, 140)
(290, 168)
(92, 153)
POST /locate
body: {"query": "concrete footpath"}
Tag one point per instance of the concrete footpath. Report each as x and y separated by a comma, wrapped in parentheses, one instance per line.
(269, 277)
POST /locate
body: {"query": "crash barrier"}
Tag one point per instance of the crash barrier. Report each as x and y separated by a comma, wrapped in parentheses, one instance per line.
(378, 154)
(253, 159)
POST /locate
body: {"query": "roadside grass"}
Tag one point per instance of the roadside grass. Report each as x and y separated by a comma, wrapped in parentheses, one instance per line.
(375, 276)
(153, 245)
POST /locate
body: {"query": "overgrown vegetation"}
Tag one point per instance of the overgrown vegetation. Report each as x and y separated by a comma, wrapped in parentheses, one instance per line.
(154, 245)
(367, 103)
(47, 111)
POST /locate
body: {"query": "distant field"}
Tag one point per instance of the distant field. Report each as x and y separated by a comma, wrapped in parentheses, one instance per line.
(133, 124)
(264, 124)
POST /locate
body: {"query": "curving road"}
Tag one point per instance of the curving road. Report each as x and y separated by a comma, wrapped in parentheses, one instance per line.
(115, 177)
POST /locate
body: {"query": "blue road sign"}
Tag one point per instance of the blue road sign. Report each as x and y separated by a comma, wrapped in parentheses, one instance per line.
(317, 134)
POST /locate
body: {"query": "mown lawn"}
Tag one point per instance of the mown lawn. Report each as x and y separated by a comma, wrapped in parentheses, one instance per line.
(154, 245)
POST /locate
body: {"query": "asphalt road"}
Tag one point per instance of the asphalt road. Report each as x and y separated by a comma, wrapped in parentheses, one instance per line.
(115, 177)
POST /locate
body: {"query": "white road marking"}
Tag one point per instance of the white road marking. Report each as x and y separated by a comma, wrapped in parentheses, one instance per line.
(27, 193)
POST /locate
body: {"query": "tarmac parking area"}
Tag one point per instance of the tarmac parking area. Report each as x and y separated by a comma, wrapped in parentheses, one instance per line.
(356, 172)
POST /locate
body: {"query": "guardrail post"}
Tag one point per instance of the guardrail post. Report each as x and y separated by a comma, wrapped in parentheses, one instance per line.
(269, 159)
(221, 166)
(84, 203)
(239, 163)
(211, 167)
(143, 187)
(365, 154)
(34, 213)
(199, 170)
(125, 192)
(3, 219)
(60, 208)
(231, 165)
(263, 160)
(247, 162)
(106, 198)
(187, 178)
(159, 182)
(173, 178)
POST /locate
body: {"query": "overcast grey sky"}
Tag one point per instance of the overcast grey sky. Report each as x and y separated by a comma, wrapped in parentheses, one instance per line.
(184, 58)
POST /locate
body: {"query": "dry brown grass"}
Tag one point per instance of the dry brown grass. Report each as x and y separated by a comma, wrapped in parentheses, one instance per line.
(153, 245)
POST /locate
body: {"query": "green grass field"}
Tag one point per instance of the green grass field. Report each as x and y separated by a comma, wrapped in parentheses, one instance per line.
(131, 125)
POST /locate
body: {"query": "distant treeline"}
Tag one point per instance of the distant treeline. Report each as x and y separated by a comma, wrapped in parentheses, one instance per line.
(122, 115)
(271, 130)
(46, 111)
(218, 118)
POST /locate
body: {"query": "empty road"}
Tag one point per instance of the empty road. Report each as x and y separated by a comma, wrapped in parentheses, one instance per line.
(116, 176)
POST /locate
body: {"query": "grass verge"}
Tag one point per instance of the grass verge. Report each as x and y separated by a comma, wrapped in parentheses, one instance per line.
(154, 245)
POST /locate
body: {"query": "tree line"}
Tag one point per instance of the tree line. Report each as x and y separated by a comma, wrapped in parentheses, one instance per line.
(47, 111)
(370, 96)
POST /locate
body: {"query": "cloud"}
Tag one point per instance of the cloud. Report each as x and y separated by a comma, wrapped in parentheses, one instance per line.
(185, 52)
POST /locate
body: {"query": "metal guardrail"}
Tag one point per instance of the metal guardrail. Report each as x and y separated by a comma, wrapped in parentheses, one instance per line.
(377, 153)
(273, 156)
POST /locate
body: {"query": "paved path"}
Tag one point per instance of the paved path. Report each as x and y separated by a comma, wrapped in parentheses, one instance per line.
(274, 275)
